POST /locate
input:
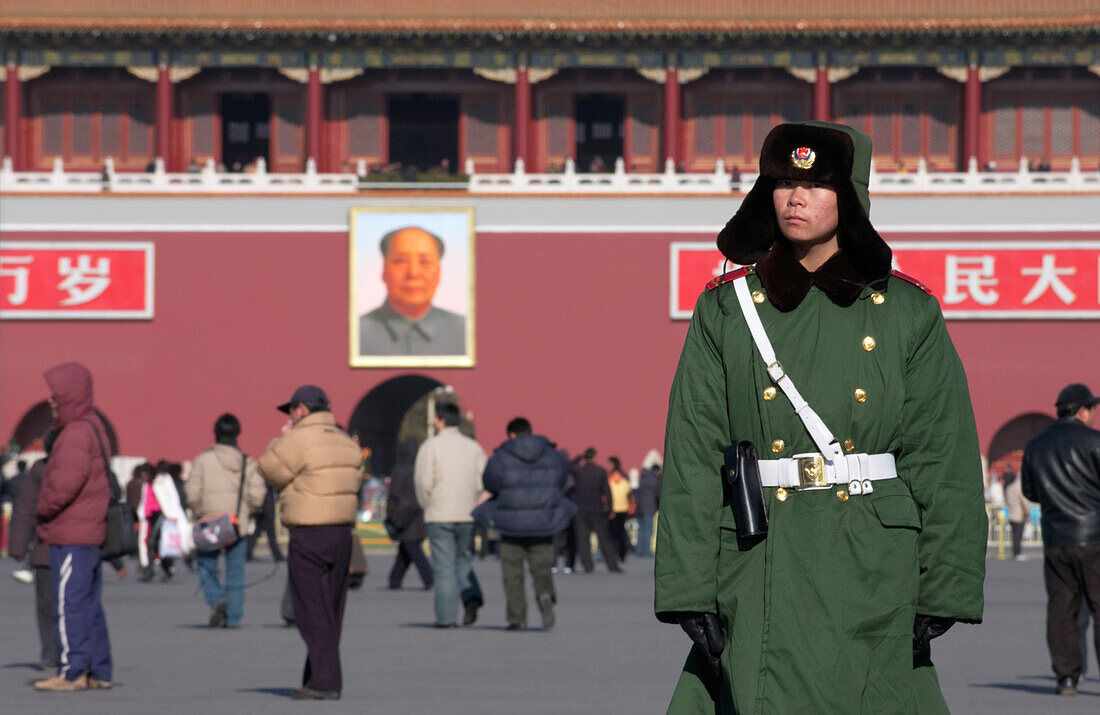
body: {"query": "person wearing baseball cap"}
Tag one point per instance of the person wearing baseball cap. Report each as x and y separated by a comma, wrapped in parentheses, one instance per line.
(318, 470)
(1061, 471)
(829, 382)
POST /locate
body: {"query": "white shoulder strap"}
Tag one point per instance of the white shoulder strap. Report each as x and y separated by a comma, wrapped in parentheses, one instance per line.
(820, 434)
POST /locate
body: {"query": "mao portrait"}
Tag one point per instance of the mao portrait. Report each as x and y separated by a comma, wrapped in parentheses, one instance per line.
(412, 287)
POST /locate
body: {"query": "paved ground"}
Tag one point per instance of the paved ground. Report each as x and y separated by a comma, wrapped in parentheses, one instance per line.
(607, 653)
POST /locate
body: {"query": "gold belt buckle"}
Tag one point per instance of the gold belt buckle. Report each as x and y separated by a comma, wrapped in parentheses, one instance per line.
(811, 471)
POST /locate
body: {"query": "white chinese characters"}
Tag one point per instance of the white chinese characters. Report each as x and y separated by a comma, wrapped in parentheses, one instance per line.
(1049, 279)
(83, 282)
(18, 269)
(970, 277)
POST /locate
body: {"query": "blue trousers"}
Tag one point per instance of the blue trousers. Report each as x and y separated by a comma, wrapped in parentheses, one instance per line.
(233, 590)
(453, 568)
(81, 624)
(644, 547)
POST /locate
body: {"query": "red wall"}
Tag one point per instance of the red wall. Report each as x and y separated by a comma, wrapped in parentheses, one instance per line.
(572, 332)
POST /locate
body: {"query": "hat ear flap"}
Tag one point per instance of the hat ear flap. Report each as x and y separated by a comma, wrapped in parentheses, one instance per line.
(751, 232)
(859, 240)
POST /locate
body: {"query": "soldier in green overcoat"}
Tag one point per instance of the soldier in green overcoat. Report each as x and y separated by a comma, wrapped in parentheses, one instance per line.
(872, 548)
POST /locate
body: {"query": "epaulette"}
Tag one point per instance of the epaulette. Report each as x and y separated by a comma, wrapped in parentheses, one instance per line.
(727, 277)
(914, 281)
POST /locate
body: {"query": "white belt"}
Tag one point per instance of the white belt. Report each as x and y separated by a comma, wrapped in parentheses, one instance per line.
(812, 471)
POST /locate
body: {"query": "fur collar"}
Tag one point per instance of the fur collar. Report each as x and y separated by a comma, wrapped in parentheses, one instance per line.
(787, 281)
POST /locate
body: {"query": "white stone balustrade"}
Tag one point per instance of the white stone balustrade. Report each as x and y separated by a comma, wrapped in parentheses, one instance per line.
(619, 181)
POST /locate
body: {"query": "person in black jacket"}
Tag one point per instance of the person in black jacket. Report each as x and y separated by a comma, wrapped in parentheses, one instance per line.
(405, 519)
(592, 495)
(21, 541)
(526, 478)
(1061, 471)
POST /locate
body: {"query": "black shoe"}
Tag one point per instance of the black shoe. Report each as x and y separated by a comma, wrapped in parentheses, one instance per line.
(217, 616)
(444, 625)
(1066, 686)
(311, 694)
(516, 627)
(470, 616)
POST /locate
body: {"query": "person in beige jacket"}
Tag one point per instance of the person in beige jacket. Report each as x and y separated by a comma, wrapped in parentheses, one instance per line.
(224, 480)
(447, 478)
(318, 470)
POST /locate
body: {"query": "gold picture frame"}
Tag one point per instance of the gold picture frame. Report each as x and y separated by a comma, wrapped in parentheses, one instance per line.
(400, 314)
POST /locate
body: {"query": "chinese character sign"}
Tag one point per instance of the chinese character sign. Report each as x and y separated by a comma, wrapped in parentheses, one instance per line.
(972, 279)
(44, 280)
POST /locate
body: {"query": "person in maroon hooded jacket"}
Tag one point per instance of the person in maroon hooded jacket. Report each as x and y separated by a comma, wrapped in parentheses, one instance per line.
(72, 520)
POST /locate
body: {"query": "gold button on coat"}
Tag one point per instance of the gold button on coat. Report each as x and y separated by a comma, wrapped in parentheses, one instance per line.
(842, 495)
(778, 446)
(860, 394)
(769, 393)
(849, 445)
(878, 298)
(868, 343)
(781, 494)
(758, 297)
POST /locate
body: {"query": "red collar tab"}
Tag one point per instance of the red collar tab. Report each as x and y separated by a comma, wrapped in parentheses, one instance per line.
(727, 277)
(914, 281)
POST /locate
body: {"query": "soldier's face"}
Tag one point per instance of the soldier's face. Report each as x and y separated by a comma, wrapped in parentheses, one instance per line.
(806, 212)
(411, 271)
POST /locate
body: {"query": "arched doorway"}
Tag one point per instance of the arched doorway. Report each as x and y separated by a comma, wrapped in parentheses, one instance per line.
(30, 432)
(378, 416)
(1006, 449)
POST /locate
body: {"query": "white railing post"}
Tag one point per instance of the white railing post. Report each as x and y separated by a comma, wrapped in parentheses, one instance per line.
(922, 177)
(361, 168)
(469, 167)
(1075, 173)
(570, 166)
(519, 170)
(620, 167)
(670, 166)
(261, 165)
(158, 166)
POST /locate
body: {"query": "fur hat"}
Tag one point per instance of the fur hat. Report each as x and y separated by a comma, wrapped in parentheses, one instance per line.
(833, 154)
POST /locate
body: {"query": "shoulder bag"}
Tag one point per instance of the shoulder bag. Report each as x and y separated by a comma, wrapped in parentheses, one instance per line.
(215, 533)
(122, 531)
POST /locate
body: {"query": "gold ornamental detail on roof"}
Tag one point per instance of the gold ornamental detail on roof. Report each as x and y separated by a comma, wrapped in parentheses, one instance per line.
(809, 74)
(660, 74)
(508, 75)
(959, 72)
(24, 73)
(175, 74)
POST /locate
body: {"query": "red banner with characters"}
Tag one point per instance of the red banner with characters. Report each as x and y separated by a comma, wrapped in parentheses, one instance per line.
(973, 279)
(76, 280)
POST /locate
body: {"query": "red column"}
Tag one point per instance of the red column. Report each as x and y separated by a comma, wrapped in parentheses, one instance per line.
(13, 110)
(523, 117)
(823, 106)
(972, 111)
(313, 117)
(672, 116)
(164, 118)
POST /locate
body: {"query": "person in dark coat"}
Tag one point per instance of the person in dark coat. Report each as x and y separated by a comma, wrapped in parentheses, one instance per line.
(592, 495)
(21, 540)
(265, 524)
(526, 478)
(1061, 471)
(406, 519)
(646, 499)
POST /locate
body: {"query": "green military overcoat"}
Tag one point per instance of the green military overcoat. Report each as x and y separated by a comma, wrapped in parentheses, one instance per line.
(818, 618)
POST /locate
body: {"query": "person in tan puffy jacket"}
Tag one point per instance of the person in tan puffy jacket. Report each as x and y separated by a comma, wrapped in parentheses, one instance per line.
(318, 470)
(224, 480)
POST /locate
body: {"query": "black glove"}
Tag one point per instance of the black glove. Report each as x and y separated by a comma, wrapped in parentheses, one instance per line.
(704, 631)
(925, 628)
